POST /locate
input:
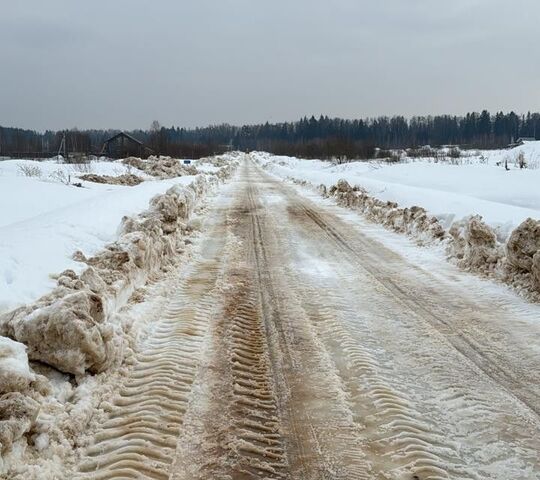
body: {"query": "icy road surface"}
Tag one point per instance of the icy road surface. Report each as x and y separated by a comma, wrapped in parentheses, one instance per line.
(299, 346)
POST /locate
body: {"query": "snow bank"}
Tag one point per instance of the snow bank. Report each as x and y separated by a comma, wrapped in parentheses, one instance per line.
(477, 186)
(42, 222)
(161, 167)
(68, 328)
(413, 220)
(523, 255)
(72, 328)
(472, 242)
(125, 179)
(474, 245)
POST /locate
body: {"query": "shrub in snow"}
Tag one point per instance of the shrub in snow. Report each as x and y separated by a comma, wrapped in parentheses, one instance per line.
(520, 160)
(60, 176)
(82, 167)
(29, 170)
(454, 152)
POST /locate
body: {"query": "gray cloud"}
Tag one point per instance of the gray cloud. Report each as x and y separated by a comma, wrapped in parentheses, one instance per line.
(123, 63)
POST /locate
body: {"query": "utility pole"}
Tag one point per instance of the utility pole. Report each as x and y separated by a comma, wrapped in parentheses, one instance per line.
(63, 146)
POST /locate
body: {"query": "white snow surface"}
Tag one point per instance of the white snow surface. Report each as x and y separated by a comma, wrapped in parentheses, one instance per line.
(43, 222)
(476, 185)
(205, 167)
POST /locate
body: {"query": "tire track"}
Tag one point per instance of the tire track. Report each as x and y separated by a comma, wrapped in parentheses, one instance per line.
(323, 442)
(235, 430)
(480, 355)
(256, 437)
(138, 439)
(403, 430)
(398, 437)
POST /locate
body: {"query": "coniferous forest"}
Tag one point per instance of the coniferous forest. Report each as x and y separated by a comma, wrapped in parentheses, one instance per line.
(313, 137)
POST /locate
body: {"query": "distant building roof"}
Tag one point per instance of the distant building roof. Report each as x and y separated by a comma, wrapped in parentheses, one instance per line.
(116, 146)
(123, 134)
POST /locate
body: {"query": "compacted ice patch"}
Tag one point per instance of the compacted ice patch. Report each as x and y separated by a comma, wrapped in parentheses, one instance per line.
(71, 330)
(507, 249)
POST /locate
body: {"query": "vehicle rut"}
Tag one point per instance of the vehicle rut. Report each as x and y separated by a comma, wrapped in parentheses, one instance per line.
(138, 439)
(363, 257)
(256, 433)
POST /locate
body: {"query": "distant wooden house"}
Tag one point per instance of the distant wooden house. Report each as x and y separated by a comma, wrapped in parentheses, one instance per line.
(521, 141)
(123, 145)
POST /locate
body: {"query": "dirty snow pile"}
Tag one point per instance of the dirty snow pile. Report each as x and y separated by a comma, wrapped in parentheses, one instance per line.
(101, 250)
(128, 179)
(161, 167)
(487, 216)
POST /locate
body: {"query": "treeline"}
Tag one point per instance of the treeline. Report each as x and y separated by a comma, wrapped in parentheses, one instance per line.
(21, 142)
(474, 130)
(309, 137)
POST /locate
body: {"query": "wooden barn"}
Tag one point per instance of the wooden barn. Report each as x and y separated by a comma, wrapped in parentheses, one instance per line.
(123, 145)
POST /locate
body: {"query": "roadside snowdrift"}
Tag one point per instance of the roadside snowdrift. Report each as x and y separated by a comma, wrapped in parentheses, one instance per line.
(477, 185)
(43, 221)
(161, 167)
(72, 328)
(472, 243)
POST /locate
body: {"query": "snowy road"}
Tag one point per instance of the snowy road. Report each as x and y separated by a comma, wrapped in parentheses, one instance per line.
(299, 346)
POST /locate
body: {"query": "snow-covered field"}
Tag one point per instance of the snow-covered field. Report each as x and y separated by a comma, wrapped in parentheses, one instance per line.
(451, 190)
(43, 221)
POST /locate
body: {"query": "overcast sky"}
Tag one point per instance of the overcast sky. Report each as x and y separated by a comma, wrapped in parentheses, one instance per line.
(124, 63)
